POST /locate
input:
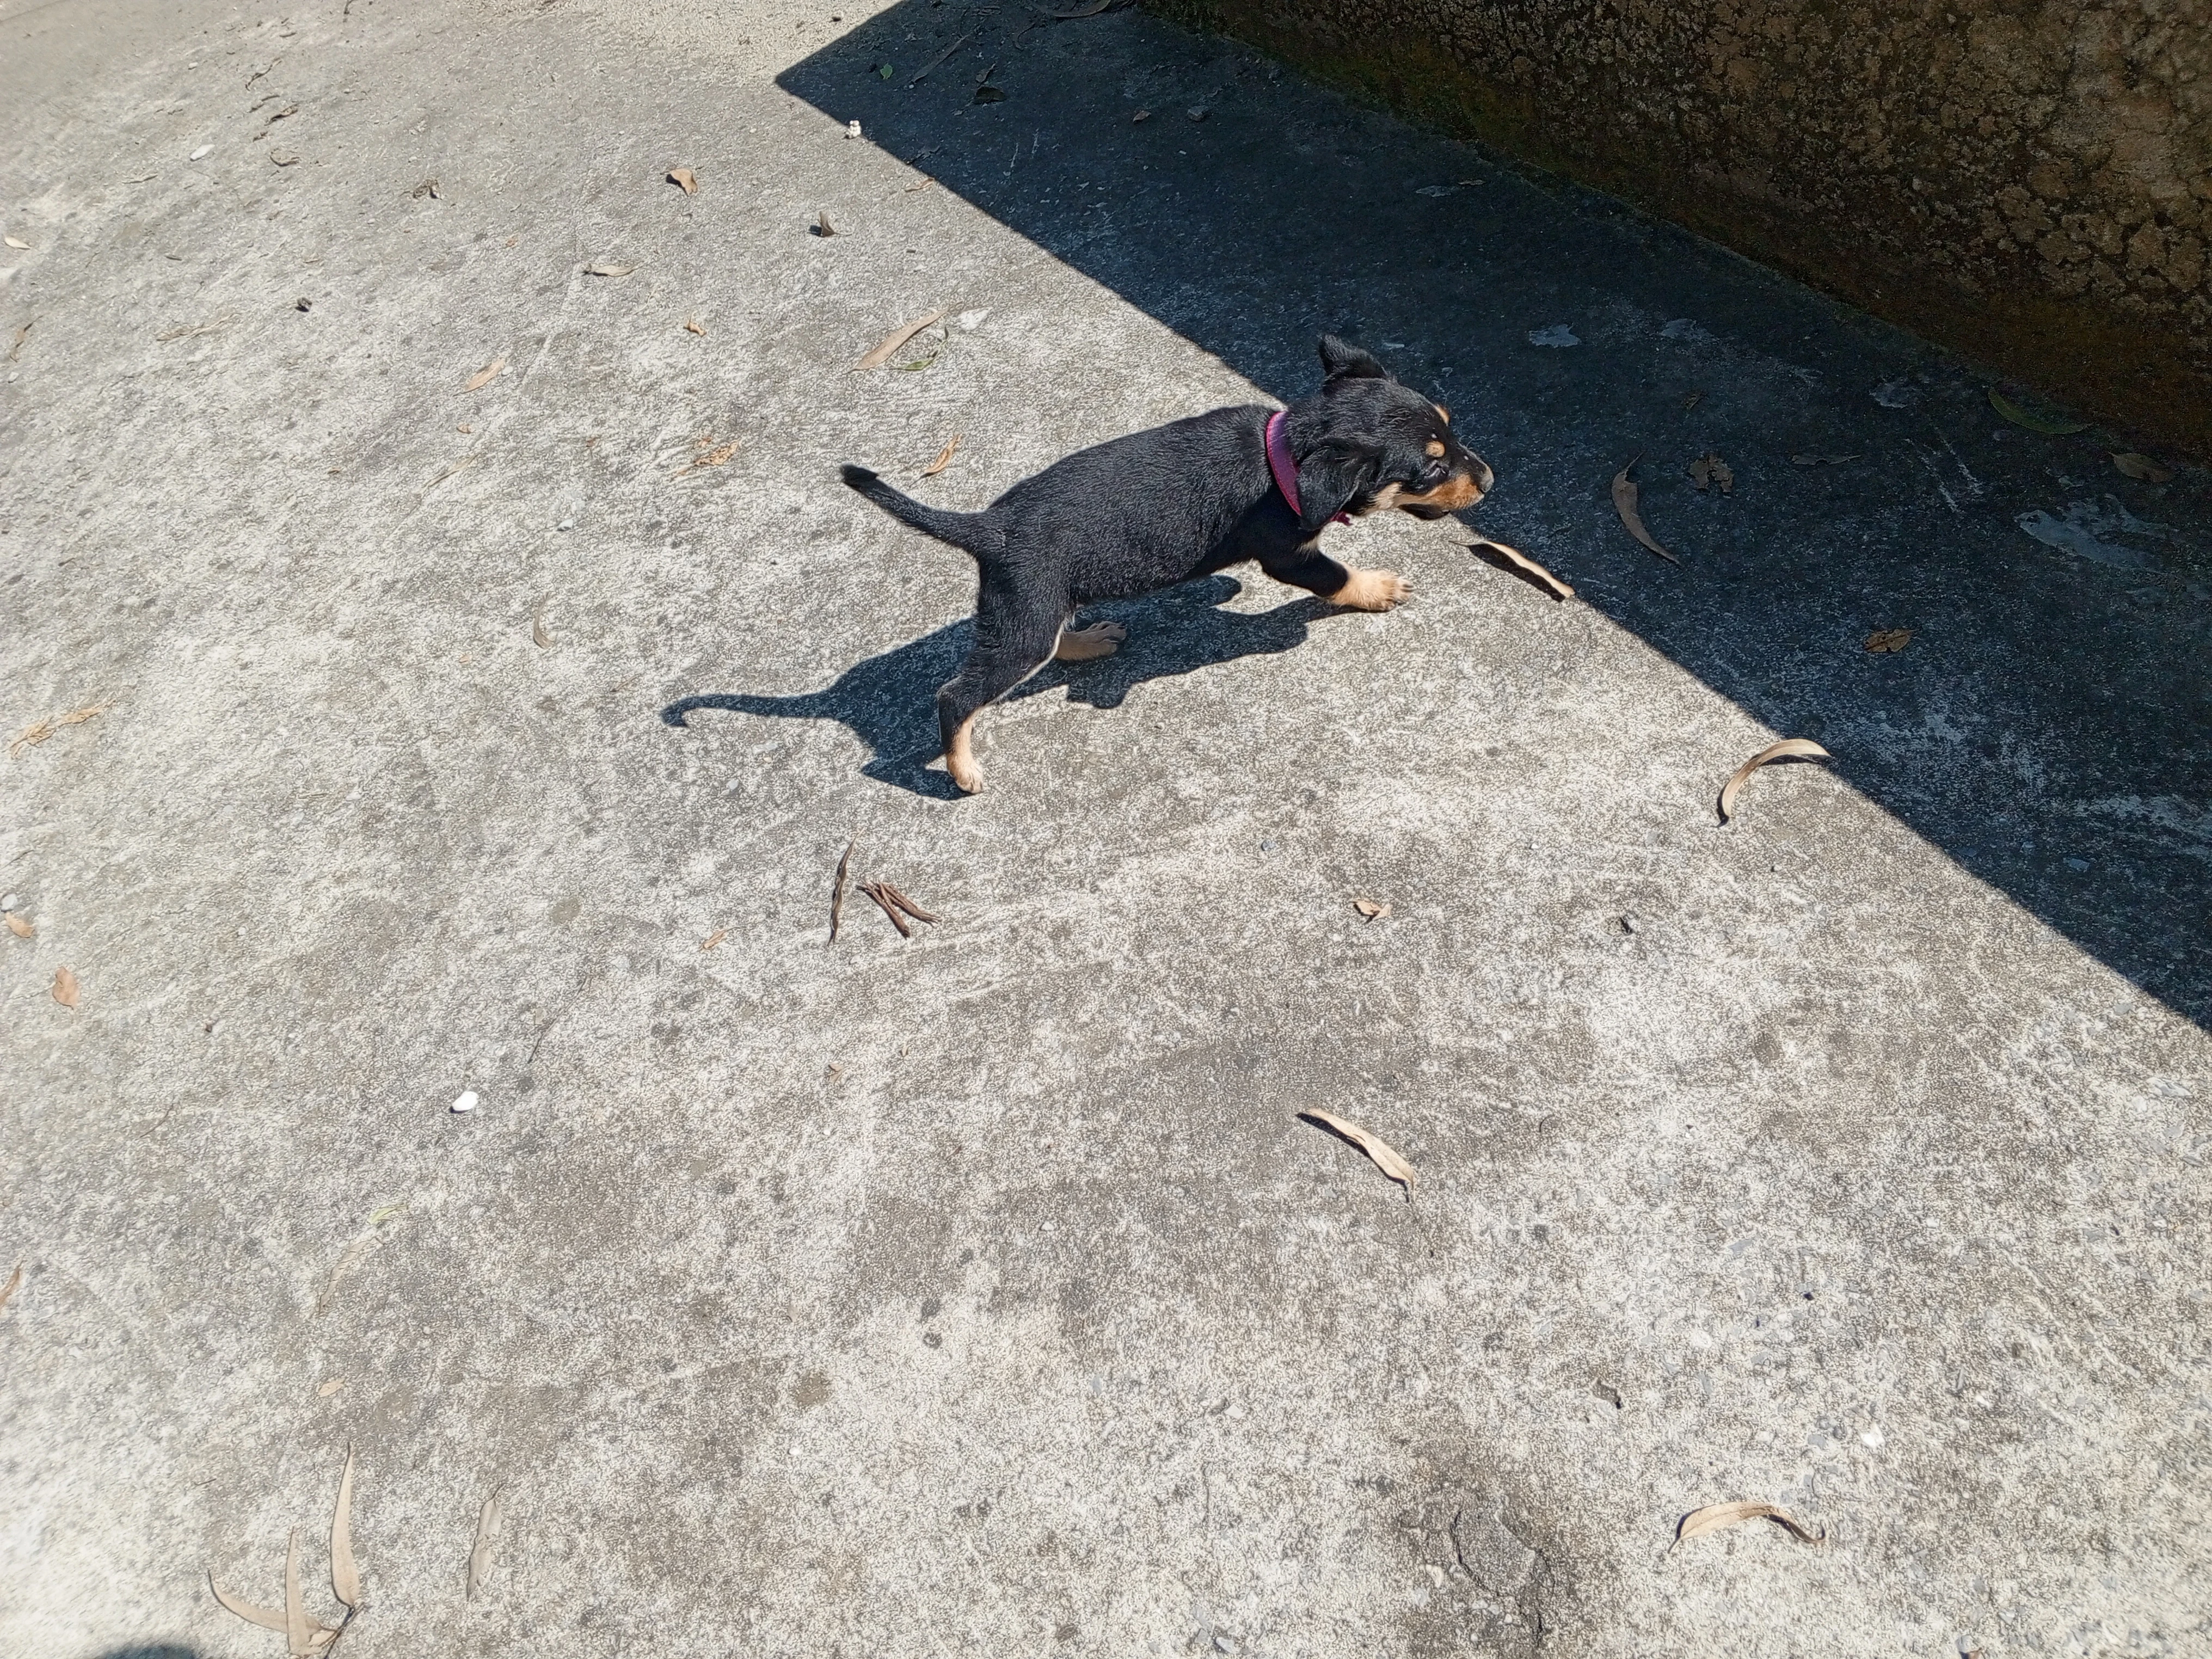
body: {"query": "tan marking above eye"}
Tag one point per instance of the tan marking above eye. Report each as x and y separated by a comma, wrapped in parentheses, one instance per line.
(1436, 447)
(1446, 413)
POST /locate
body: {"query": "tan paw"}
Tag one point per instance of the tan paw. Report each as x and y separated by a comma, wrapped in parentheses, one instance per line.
(1089, 644)
(1372, 590)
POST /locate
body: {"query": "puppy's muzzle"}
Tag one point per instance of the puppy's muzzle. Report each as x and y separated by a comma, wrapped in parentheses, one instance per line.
(1469, 483)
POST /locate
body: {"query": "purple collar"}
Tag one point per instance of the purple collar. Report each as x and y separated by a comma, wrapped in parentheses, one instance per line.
(1286, 473)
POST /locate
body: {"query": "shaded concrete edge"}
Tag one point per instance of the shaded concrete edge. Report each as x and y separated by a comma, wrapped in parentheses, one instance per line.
(2100, 364)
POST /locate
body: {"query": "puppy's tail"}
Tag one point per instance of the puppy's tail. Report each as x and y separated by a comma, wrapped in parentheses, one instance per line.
(973, 532)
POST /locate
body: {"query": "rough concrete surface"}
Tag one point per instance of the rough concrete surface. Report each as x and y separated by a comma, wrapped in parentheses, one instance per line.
(983, 1293)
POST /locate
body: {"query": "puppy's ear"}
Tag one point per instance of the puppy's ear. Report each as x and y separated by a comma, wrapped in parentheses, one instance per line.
(1332, 473)
(1340, 361)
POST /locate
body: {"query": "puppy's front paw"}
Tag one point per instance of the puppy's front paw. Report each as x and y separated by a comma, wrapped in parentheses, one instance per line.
(1372, 590)
(1089, 644)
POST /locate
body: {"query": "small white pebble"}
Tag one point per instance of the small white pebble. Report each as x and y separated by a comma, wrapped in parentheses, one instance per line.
(466, 1101)
(852, 129)
(970, 319)
(198, 152)
(1872, 1439)
(566, 524)
(12, 902)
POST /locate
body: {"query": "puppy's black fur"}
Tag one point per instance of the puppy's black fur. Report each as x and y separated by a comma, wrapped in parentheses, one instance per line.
(1158, 508)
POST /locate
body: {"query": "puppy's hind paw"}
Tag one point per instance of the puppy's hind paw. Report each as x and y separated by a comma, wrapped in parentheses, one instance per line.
(1089, 644)
(1372, 590)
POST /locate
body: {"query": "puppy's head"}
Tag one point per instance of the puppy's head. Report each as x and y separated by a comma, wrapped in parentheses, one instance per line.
(1372, 443)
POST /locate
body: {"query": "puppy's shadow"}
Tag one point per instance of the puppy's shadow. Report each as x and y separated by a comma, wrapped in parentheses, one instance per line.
(889, 702)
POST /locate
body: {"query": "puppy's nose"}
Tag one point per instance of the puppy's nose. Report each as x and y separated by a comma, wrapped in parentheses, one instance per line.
(1480, 472)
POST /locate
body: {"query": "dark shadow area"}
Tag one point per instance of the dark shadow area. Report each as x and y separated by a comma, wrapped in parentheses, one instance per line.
(153, 1650)
(2048, 726)
(890, 701)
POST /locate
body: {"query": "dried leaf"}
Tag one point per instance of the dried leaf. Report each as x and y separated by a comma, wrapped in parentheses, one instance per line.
(837, 889)
(988, 94)
(1710, 468)
(295, 1615)
(267, 1618)
(540, 635)
(329, 1388)
(480, 1552)
(926, 184)
(484, 376)
(429, 187)
(1141, 115)
(285, 158)
(693, 326)
(684, 178)
(1884, 639)
(12, 242)
(940, 57)
(1688, 404)
(2049, 426)
(20, 925)
(2134, 465)
(607, 268)
(1370, 908)
(65, 989)
(944, 458)
(719, 455)
(874, 890)
(1385, 1159)
(1821, 460)
(15, 1283)
(1624, 503)
(1716, 1517)
(1804, 747)
(905, 903)
(898, 337)
(345, 1576)
(1521, 561)
(21, 335)
(822, 227)
(715, 938)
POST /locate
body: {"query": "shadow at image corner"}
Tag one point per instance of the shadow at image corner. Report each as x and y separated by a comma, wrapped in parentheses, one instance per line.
(890, 701)
(153, 1650)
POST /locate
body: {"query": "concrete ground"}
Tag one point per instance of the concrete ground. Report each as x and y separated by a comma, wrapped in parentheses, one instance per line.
(984, 1293)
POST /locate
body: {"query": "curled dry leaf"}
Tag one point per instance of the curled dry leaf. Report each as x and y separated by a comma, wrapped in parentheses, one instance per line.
(1710, 468)
(540, 635)
(719, 455)
(1624, 503)
(905, 903)
(65, 989)
(480, 1550)
(329, 1388)
(1820, 460)
(12, 242)
(1522, 562)
(20, 925)
(2050, 427)
(875, 890)
(714, 939)
(898, 337)
(1803, 748)
(2137, 466)
(837, 888)
(944, 458)
(267, 1618)
(693, 326)
(21, 335)
(484, 376)
(15, 1283)
(1370, 908)
(1889, 639)
(1716, 1517)
(1385, 1158)
(822, 227)
(345, 1576)
(607, 268)
(685, 180)
(297, 1636)
(940, 57)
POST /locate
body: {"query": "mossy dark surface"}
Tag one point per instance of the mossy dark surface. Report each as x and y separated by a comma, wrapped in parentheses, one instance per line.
(2035, 198)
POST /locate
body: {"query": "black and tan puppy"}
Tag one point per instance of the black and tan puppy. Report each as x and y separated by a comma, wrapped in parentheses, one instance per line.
(1155, 508)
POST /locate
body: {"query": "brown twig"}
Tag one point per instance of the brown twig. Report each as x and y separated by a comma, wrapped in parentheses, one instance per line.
(837, 889)
(906, 903)
(875, 890)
